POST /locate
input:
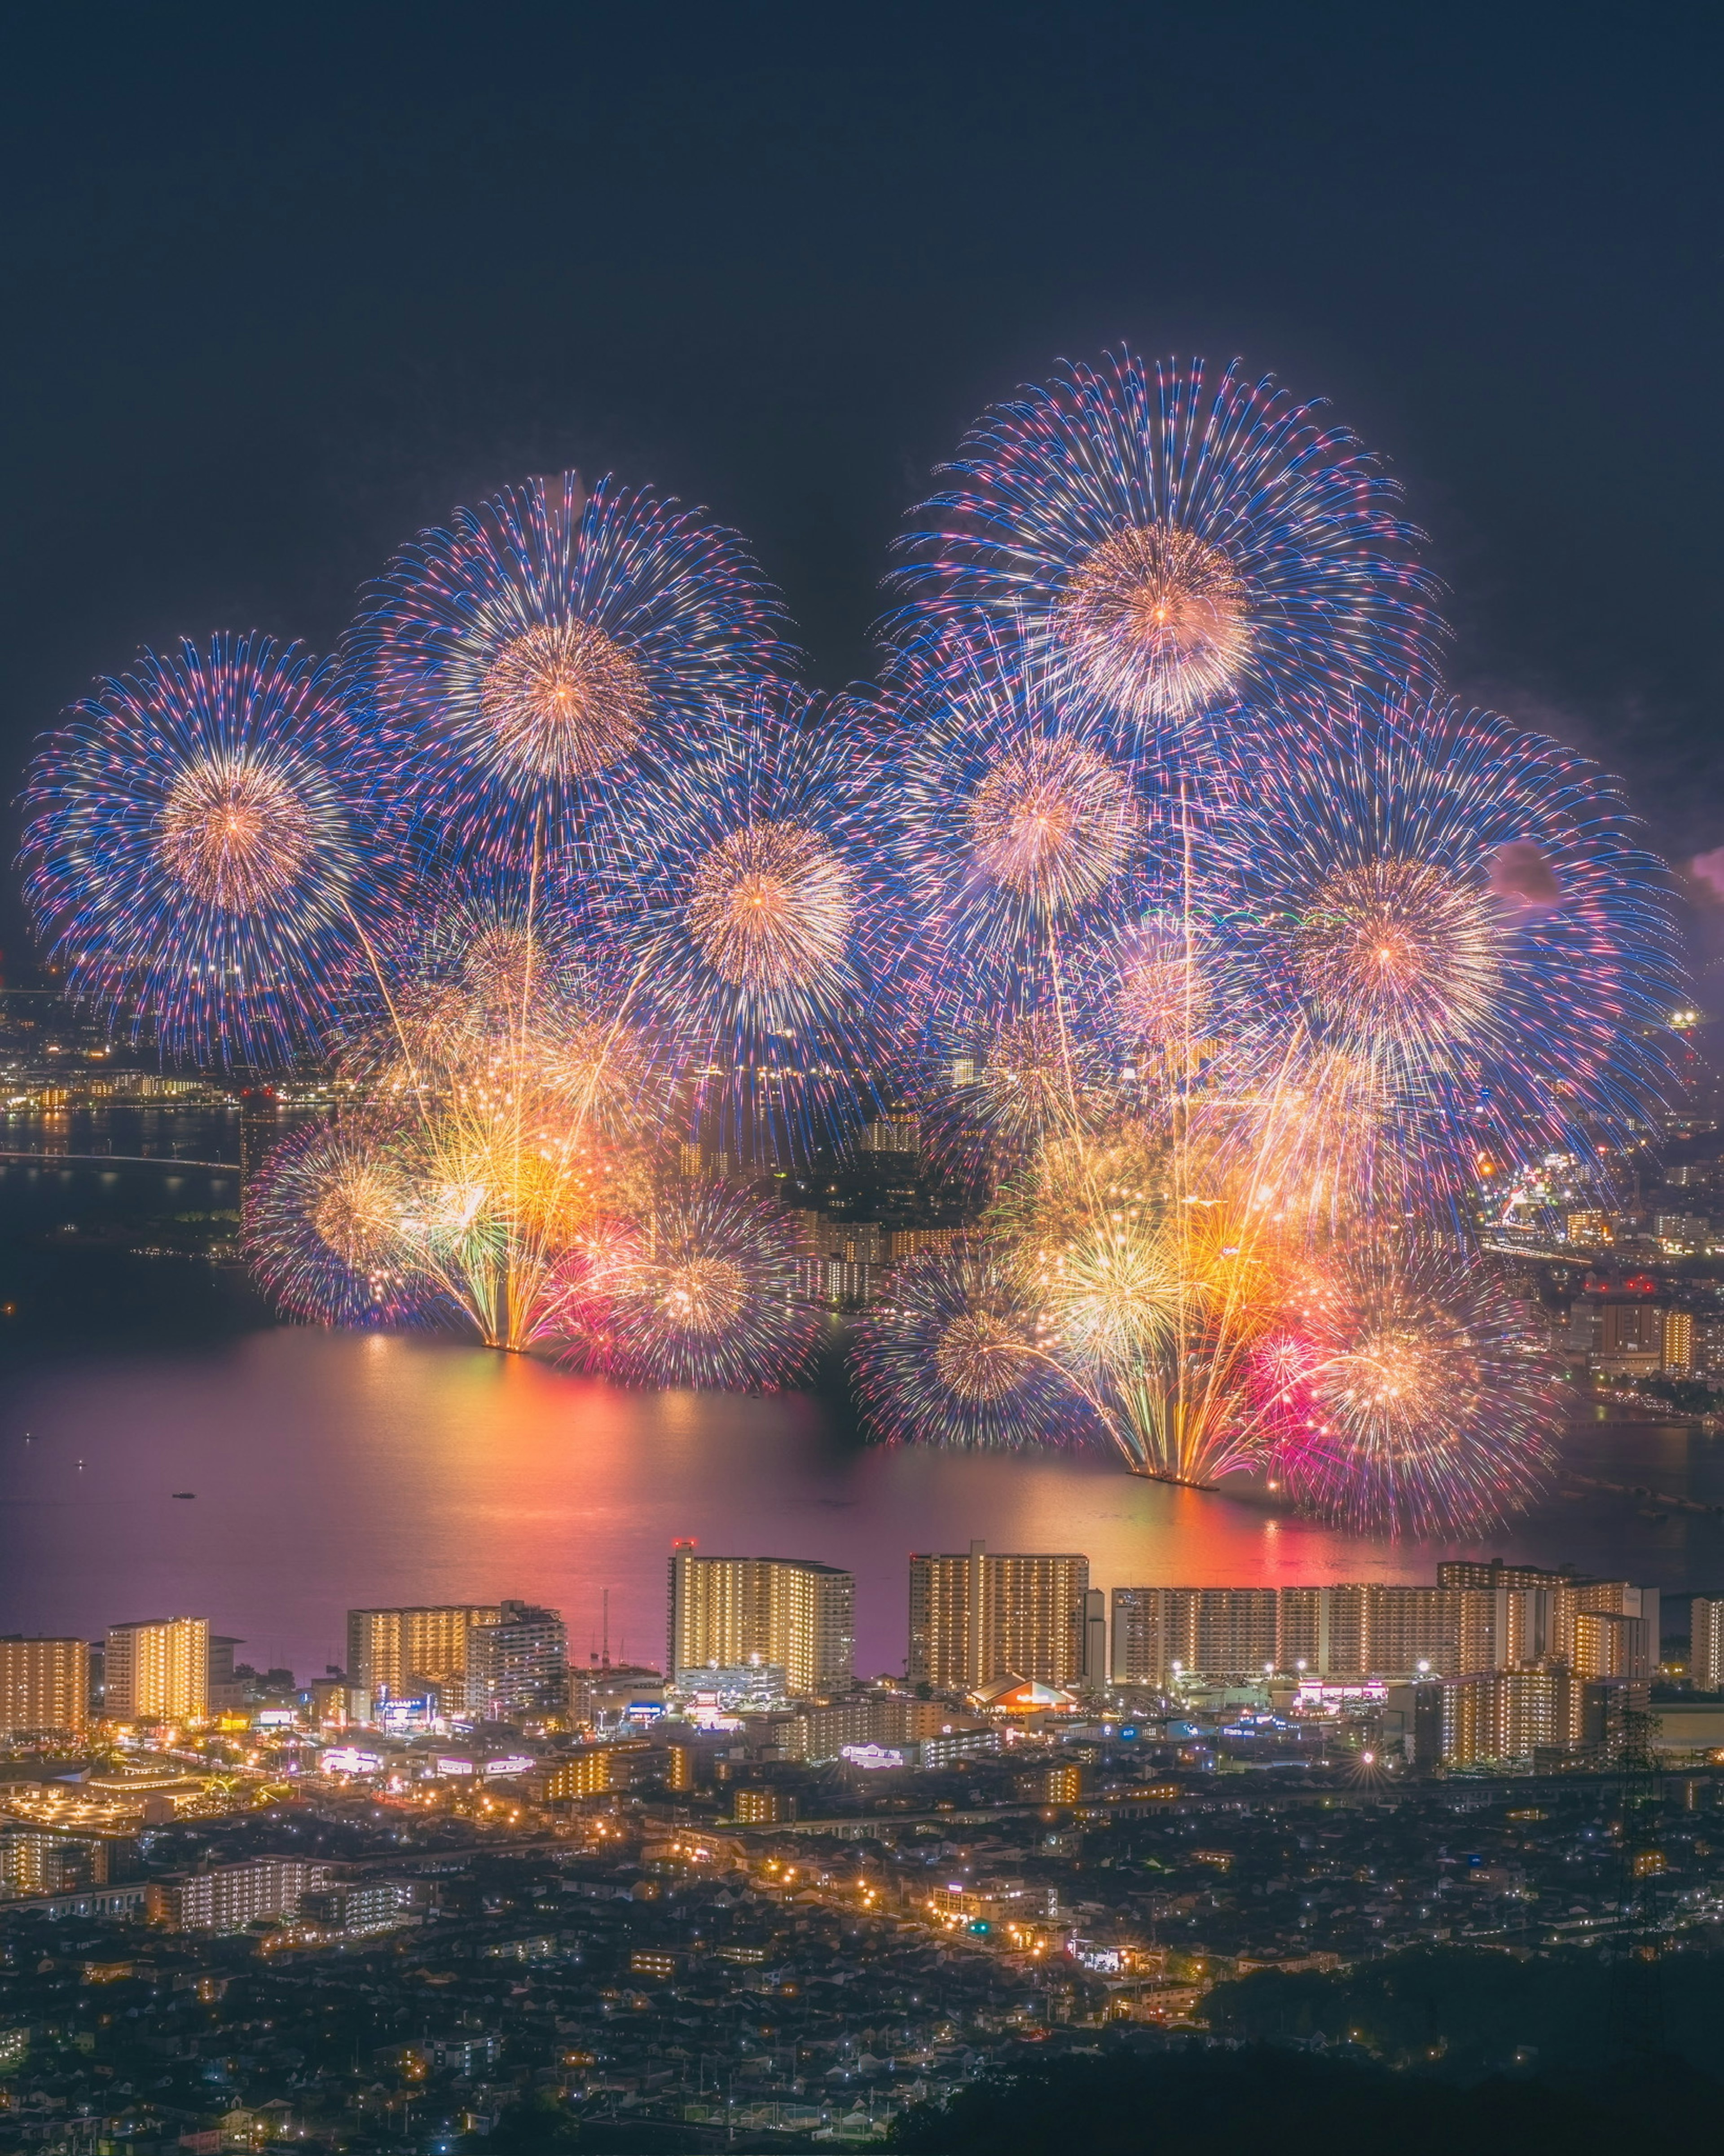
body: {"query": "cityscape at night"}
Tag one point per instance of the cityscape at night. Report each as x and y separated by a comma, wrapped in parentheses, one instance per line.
(861, 1086)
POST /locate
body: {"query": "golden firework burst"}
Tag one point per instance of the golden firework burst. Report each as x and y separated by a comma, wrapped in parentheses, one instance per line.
(770, 905)
(1157, 620)
(1053, 821)
(237, 834)
(1402, 954)
(562, 700)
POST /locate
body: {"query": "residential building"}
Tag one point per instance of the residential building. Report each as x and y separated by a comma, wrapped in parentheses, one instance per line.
(157, 1670)
(891, 1720)
(1497, 1717)
(519, 1664)
(357, 1907)
(44, 1686)
(398, 1650)
(1208, 1631)
(896, 1133)
(785, 1613)
(229, 1896)
(1706, 1648)
(978, 1617)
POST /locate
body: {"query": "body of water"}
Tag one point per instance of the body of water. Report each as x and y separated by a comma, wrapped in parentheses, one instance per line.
(336, 1469)
(332, 1470)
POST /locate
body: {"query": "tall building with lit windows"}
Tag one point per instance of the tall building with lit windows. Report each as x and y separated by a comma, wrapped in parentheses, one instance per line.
(157, 1670)
(44, 1685)
(978, 1617)
(1706, 1646)
(394, 1651)
(519, 1664)
(778, 1613)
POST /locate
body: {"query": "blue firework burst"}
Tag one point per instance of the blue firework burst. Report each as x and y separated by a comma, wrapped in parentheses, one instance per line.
(544, 650)
(1178, 543)
(198, 845)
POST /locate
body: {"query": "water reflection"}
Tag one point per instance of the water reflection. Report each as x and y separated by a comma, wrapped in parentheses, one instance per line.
(337, 1470)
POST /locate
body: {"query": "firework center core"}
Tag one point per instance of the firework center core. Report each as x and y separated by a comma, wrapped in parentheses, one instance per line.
(1399, 952)
(562, 699)
(1156, 619)
(979, 1358)
(770, 907)
(235, 833)
(1053, 821)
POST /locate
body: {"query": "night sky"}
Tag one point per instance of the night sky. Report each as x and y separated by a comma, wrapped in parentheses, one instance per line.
(283, 285)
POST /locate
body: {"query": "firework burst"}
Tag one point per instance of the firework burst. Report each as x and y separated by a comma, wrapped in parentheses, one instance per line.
(1464, 907)
(196, 847)
(1406, 1395)
(746, 900)
(701, 1289)
(547, 647)
(1175, 542)
(957, 1353)
(328, 1227)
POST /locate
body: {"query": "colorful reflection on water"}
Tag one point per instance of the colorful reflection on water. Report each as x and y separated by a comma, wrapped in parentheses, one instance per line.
(333, 1470)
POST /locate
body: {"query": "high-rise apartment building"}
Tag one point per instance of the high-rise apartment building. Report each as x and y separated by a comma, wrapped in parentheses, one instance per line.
(394, 1651)
(157, 1670)
(1211, 1631)
(44, 1685)
(519, 1664)
(1503, 1715)
(1478, 1617)
(1706, 1646)
(976, 1618)
(784, 1613)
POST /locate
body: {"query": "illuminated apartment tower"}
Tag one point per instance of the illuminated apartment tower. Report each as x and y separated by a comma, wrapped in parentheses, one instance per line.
(1211, 1631)
(976, 1618)
(1499, 1716)
(781, 1612)
(44, 1685)
(1705, 1649)
(394, 1651)
(157, 1670)
(519, 1664)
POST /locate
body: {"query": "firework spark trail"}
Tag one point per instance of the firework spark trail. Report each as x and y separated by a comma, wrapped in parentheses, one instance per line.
(1175, 544)
(197, 839)
(530, 1111)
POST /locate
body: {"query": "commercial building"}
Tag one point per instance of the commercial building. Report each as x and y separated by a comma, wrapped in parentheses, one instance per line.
(1706, 1646)
(400, 1650)
(229, 1896)
(44, 1686)
(519, 1664)
(978, 1617)
(157, 1670)
(783, 1612)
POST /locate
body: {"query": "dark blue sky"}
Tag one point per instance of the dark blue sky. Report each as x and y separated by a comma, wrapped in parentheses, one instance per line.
(280, 285)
